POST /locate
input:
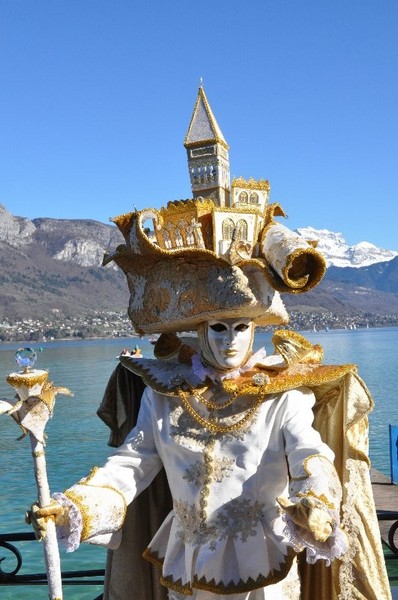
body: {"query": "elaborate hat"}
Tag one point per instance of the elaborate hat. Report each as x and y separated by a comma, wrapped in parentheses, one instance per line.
(219, 255)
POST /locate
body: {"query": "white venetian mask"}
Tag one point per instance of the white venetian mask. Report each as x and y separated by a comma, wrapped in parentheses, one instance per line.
(229, 342)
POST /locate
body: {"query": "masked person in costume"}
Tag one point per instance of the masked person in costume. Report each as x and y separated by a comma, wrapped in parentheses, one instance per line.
(265, 456)
(252, 482)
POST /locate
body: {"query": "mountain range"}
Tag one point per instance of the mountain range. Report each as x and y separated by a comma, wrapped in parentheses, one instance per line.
(54, 265)
(49, 265)
(339, 254)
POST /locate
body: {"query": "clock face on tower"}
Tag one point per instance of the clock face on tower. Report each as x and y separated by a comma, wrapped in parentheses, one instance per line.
(205, 151)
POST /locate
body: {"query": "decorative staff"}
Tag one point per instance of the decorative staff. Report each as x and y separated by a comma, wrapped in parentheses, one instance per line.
(33, 408)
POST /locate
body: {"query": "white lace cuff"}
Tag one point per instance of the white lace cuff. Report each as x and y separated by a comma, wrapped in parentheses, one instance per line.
(300, 539)
(69, 535)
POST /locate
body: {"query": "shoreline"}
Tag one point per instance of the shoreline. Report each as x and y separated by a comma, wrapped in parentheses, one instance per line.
(136, 336)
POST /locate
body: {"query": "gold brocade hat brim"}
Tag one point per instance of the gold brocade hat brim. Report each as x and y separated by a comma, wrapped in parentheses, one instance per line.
(177, 288)
(178, 293)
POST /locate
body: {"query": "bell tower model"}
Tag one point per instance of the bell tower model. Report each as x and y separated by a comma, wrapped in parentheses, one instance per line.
(207, 150)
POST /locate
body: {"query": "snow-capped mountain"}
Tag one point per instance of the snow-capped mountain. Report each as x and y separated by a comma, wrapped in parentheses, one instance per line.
(338, 253)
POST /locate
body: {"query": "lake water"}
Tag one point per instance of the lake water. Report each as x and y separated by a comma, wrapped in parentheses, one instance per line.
(77, 438)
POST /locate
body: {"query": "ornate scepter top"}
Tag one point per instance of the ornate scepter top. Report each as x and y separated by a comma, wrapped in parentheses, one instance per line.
(28, 381)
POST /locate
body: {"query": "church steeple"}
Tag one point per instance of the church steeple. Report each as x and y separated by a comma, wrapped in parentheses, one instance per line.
(207, 150)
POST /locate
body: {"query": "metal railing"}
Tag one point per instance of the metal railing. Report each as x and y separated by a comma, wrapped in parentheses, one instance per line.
(392, 555)
(13, 577)
(96, 576)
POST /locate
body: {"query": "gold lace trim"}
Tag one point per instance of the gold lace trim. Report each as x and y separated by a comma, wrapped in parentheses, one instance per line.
(86, 520)
(176, 586)
(77, 499)
(334, 485)
(249, 585)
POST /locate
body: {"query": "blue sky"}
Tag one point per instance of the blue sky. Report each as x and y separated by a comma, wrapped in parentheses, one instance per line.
(96, 97)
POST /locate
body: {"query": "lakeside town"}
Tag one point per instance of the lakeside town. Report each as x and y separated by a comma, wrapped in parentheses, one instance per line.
(111, 324)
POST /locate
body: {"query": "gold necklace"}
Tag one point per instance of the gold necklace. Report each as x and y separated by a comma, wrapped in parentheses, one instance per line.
(214, 405)
(214, 427)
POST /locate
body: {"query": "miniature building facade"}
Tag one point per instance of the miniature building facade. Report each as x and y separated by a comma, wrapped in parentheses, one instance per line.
(222, 213)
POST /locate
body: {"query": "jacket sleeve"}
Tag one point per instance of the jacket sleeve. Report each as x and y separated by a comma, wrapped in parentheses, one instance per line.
(312, 476)
(97, 503)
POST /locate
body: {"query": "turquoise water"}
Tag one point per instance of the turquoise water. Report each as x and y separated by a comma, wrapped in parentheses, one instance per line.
(77, 438)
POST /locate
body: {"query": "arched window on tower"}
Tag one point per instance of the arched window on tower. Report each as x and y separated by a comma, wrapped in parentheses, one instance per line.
(241, 230)
(253, 198)
(243, 197)
(228, 228)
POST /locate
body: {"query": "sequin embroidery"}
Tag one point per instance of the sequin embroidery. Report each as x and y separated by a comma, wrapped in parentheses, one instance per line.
(221, 468)
(237, 519)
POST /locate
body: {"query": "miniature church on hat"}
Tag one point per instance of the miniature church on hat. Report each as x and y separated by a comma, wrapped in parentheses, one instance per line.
(237, 209)
(208, 163)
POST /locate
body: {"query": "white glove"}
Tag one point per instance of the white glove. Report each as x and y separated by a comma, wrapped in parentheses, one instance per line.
(38, 517)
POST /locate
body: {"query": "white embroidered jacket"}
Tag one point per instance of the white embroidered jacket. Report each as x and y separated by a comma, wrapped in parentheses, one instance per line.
(225, 533)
